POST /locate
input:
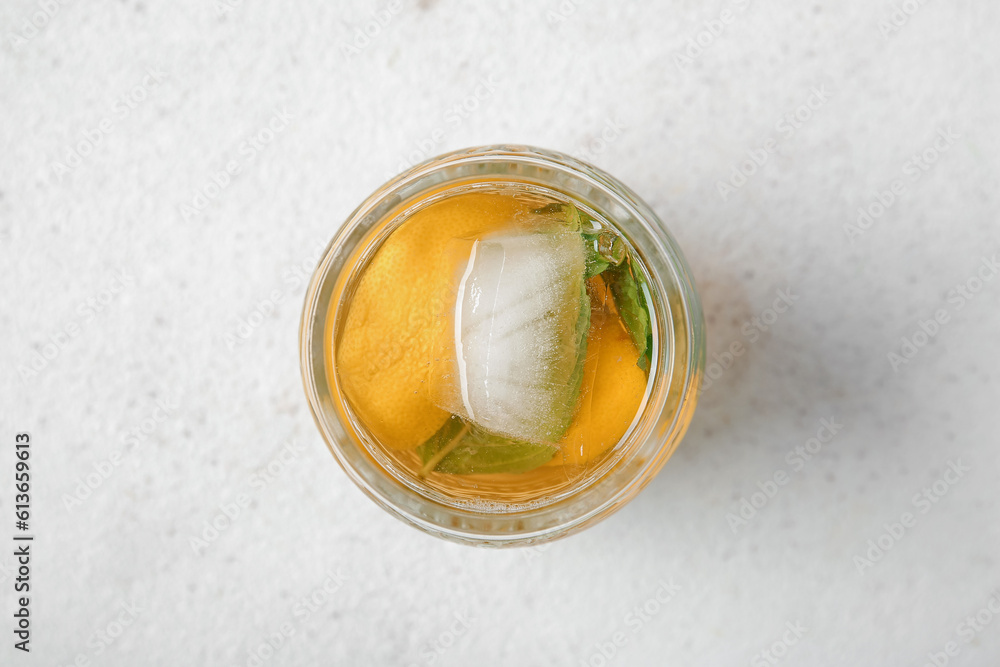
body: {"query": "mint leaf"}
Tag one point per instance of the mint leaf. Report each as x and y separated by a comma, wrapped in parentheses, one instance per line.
(595, 263)
(580, 333)
(626, 284)
(607, 255)
(447, 438)
(460, 449)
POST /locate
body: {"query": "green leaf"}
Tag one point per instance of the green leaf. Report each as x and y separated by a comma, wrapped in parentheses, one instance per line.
(607, 255)
(595, 263)
(626, 284)
(581, 331)
(460, 449)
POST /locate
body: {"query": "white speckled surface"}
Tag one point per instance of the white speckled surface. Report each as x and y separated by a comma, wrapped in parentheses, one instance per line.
(165, 352)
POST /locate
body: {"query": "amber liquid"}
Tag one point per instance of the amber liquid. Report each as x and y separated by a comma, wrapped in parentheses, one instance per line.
(386, 348)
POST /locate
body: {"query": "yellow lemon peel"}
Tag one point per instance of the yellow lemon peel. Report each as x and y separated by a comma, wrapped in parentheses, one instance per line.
(398, 314)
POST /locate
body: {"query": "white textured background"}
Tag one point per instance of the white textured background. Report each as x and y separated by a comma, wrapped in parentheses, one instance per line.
(179, 327)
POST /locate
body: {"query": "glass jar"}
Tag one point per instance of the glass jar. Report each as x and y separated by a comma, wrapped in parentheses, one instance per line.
(675, 372)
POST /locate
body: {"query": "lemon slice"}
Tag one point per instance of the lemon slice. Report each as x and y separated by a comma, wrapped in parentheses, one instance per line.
(399, 312)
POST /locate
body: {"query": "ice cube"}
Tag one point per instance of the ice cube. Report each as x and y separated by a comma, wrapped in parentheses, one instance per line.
(520, 320)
